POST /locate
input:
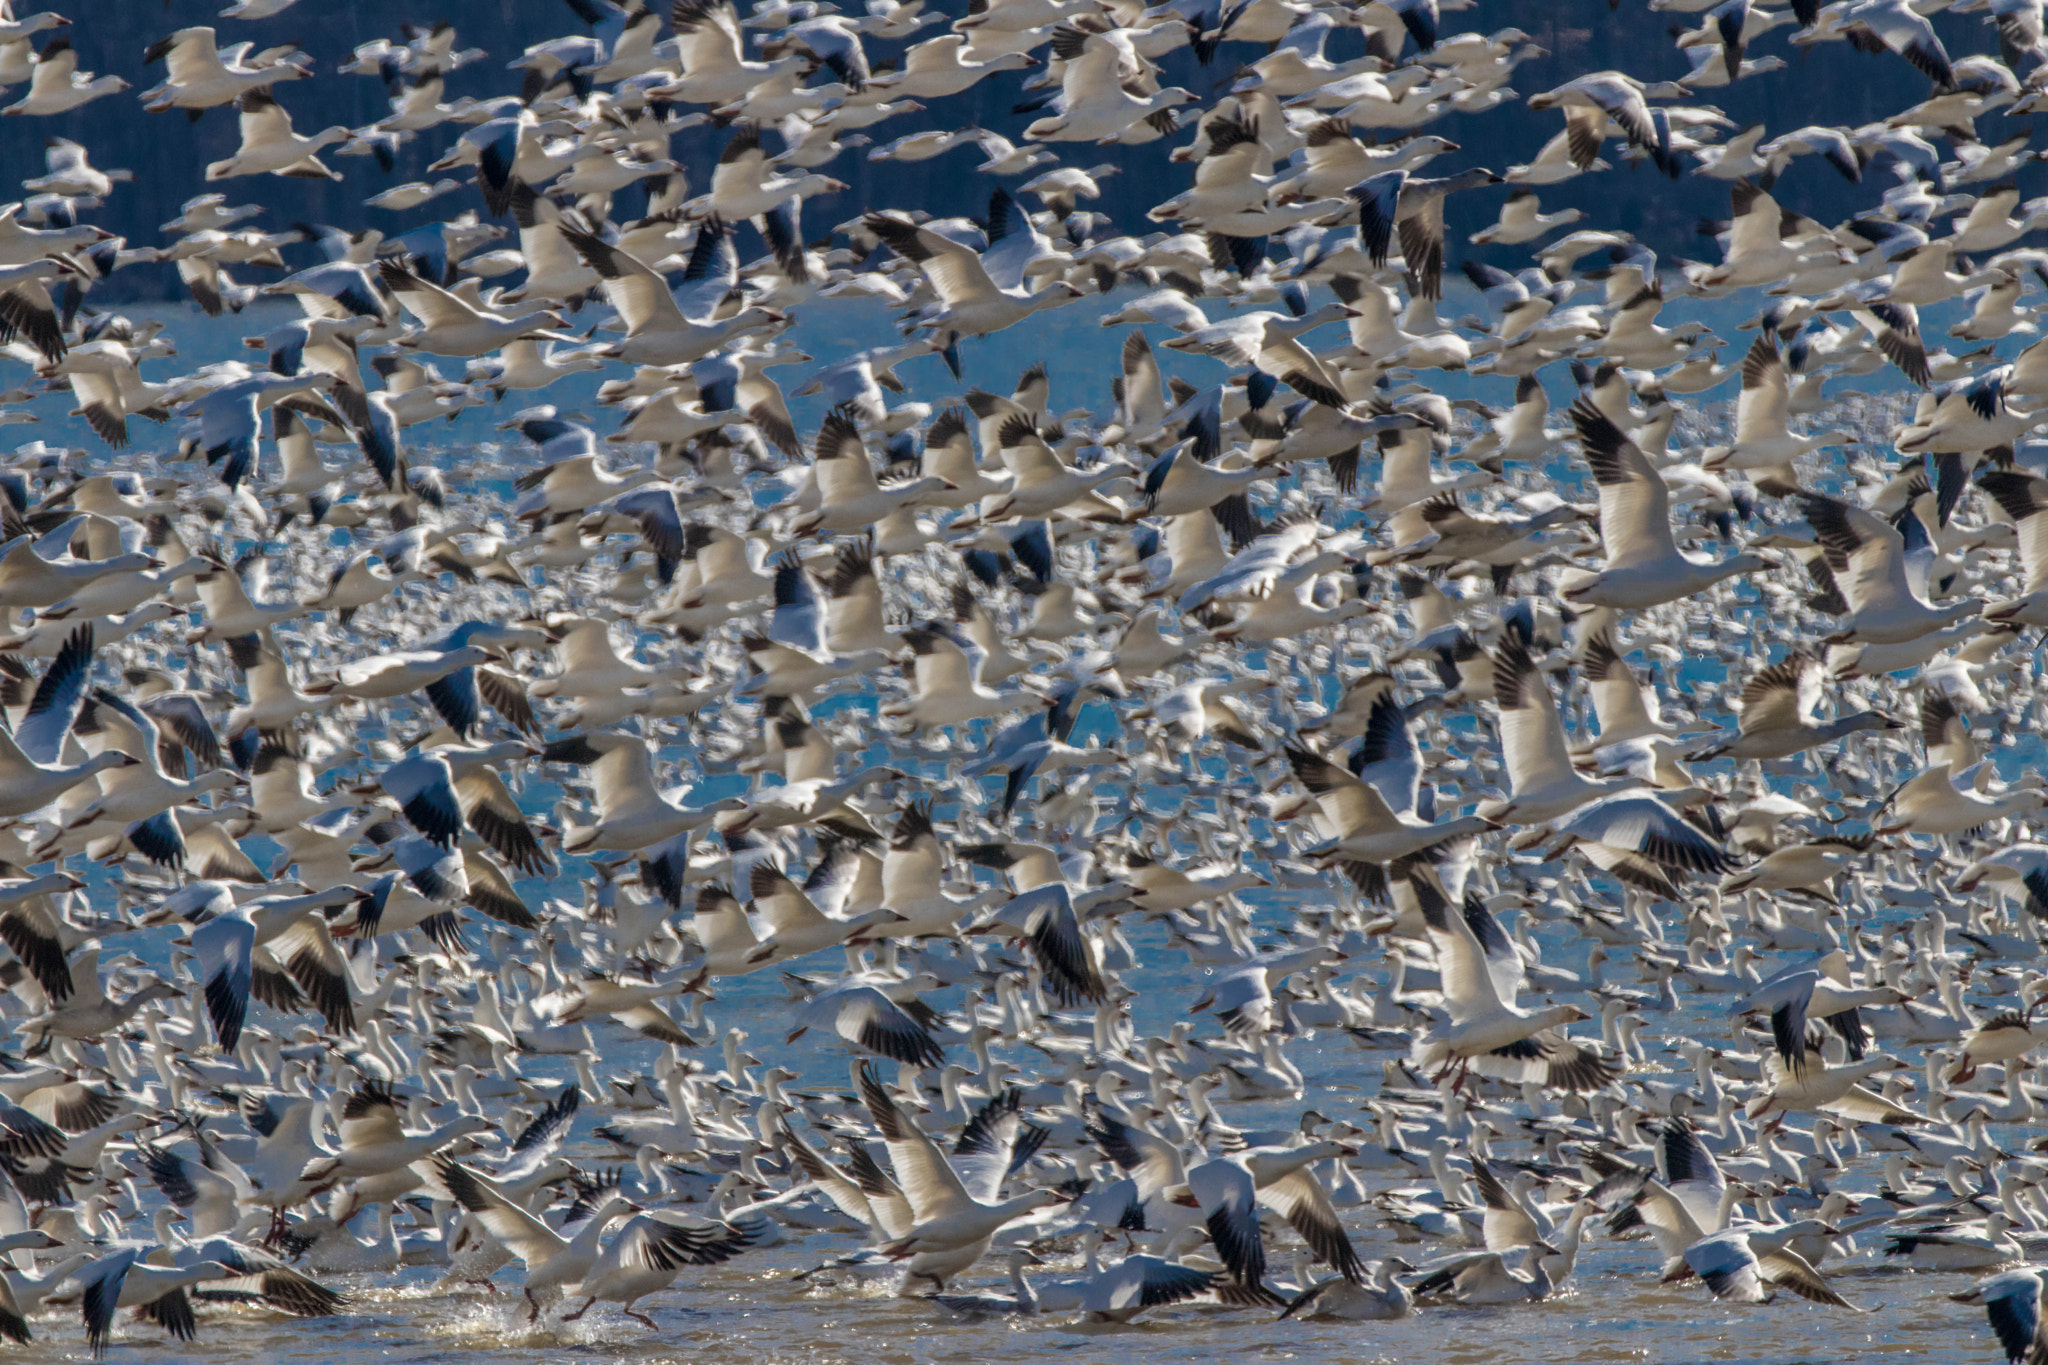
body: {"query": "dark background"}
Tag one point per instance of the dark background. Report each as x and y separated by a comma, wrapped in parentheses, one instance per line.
(1832, 84)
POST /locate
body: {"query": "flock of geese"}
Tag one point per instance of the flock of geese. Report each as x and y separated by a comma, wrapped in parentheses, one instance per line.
(364, 801)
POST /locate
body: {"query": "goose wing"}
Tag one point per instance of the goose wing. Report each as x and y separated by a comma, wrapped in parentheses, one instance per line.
(430, 303)
(1468, 987)
(2023, 497)
(1351, 806)
(1635, 504)
(1532, 737)
(524, 1235)
(1301, 1199)
(1763, 408)
(933, 1187)
(225, 947)
(1782, 697)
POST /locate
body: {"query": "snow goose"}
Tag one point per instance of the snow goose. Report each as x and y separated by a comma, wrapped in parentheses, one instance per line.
(911, 872)
(632, 813)
(946, 685)
(1815, 1085)
(1777, 721)
(1968, 414)
(1734, 1265)
(552, 1261)
(1372, 827)
(380, 677)
(1286, 1184)
(1395, 203)
(57, 86)
(863, 1014)
(665, 328)
(1042, 483)
(1883, 573)
(1485, 1277)
(1896, 25)
(1764, 444)
(287, 939)
(1942, 802)
(1269, 342)
(1644, 567)
(374, 1140)
(1543, 784)
(228, 597)
(196, 77)
(1024, 1299)
(1484, 1031)
(1820, 989)
(1805, 866)
(970, 302)
(1979, 1247)
(270, 147)
(1046, 918)
(652, 1249)
(41, 572)
(805, 919)
(1602, 99)
(954, 1225)
(849, 495)
(123, 1279)
(1380, 1298)
(1627, 711)
(453, 325)
(1522, 220)
(1120, 1292)
(2012, 1302)
(1642, 840)
(944, 65)
(2022, 497)
(2023, 864)
(744, 185)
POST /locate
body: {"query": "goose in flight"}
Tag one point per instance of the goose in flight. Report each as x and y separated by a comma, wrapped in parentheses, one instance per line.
(970, 302)
(1484, 1030)
(1644, 566)
(1882, 570)
(1543, 784)
(665, 327)
(954, 1221)
(1777, 715)
(632, 813)
(198, 77)
(270, 147)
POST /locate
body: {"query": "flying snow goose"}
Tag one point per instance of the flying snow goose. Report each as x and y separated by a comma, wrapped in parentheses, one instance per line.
(57, 86)
(1543, 784)
(196, 77)
(2012, 1302)
(651, 1249)
(954, 1226)
(1777, 720)
(1882, 571)
(1644, 567)
(864, 1015)
(270, 147)
(1764, 444)
(664, 327)
(1732, 1264)
(632, 813)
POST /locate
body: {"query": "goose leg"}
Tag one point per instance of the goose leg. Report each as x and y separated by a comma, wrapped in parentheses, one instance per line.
(571, 1317)
(534, 1315)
